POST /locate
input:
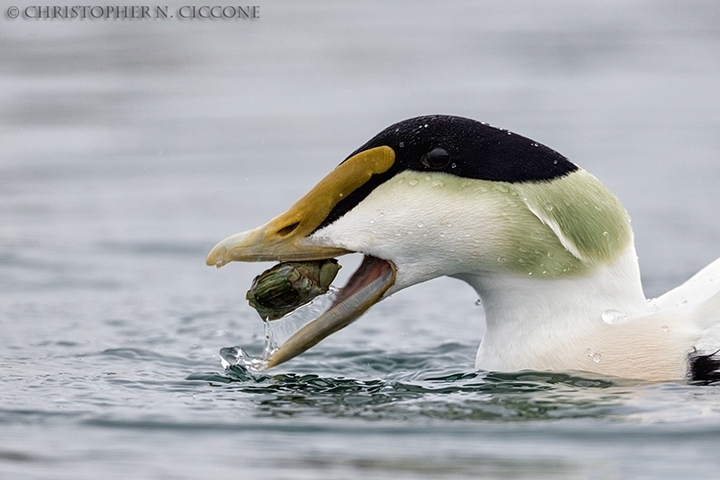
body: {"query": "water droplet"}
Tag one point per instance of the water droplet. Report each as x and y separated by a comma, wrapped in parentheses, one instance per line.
(597, 357)
(606, 234)
(478, 302)
(530, 274)
(420, 224)
(372, 220)
(413, 182)
(449, 224)
(381, 213)
(401, 144)
(613, 317)
(664, 328)
(682, 302)
(554, 162)
(589, 352)
(502, 259)
(549, 207)
(453, 165)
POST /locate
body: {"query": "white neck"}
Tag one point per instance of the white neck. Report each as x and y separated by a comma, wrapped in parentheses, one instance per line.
(531, 321)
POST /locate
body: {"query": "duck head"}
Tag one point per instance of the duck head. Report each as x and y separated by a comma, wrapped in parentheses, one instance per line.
(444, 196)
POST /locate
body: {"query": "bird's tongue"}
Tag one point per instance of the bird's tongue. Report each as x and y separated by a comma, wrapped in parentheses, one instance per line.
(365, 288)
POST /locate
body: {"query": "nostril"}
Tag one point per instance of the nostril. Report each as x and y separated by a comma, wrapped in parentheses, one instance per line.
(285, 231)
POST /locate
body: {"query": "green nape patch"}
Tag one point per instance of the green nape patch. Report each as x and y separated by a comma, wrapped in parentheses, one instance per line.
(588, 220)
(549, 229)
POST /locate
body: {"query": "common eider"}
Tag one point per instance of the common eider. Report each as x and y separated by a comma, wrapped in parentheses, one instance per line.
(547, 247)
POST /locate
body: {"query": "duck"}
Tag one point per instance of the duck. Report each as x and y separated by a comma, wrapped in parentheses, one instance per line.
(547, 247)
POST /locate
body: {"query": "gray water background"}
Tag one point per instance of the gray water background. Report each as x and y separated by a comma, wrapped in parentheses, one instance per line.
(129, 148)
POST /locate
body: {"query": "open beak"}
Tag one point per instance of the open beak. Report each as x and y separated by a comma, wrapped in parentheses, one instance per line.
(281, 240)
(363, 290)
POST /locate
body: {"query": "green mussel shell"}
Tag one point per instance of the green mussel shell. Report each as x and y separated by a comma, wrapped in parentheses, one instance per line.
(287, 286)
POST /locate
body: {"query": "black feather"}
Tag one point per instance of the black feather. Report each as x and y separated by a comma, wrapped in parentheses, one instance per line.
(704, 368)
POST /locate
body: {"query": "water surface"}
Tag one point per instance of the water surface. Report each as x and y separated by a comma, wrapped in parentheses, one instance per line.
(131, 148)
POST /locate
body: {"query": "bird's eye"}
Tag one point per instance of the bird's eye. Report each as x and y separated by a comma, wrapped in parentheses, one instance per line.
(436, 158)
